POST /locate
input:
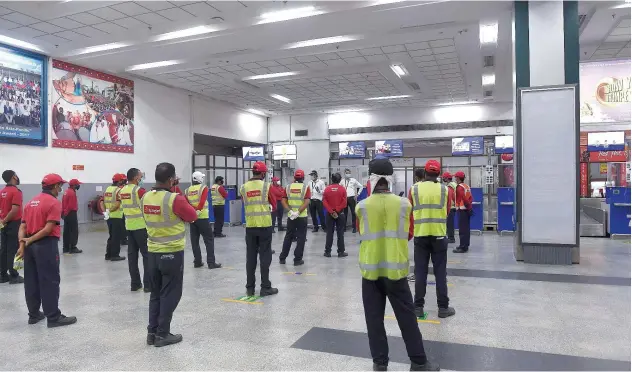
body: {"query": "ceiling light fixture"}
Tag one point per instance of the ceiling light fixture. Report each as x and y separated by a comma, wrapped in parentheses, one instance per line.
(489, 33)
(387, 97)
(281, 98)
(399, 70)
(199, 30)
(19, 43)
(489, 79)
(270, 76)
(287, 14)
(145, 66)
(256, 112)
(322, 41)
(100, 48)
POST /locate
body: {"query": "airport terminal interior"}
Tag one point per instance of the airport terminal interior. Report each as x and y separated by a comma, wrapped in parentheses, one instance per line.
(524, 104)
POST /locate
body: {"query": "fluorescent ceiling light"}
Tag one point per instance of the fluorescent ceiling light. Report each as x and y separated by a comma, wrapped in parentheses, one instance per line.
(489, 33)
(387, 97)
(270, 76)
(626, 4)
(281, 98)
(284, 15)
(199, 30)
(322, 41)
(456, 103)
(256, 112)
(145, 66)
(19, 43)
(100, 48)
(489, 79)
(399, 70)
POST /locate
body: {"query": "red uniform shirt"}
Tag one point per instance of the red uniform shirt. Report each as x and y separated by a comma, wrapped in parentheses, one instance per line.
(39, 211)
(277, 191)
(10, 196)
(222, 191)
(451, 197)
(461, 198)
(69, 202)
(177, 190)
(335, 198)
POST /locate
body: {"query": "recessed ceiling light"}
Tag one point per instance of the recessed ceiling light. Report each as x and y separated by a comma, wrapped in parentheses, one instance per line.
(19, 43)
(100, 48)
(387, 97)
(145, 66)
(489, 79)
(489, 33)
(287, 14)
(281, 98)
(399, 70)
(321, 41)
(199, 30)
(256, 112)
(270, 76)
(456, 103)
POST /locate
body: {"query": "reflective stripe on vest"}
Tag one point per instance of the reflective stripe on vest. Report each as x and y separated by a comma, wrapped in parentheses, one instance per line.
(131, 208)
(109, 200)
(430, 208)
(166, 231)
(466, 194)
(296, 196)
(254, 194)
(216, 197)
(452, 185)
(417, 205)
(193, 194)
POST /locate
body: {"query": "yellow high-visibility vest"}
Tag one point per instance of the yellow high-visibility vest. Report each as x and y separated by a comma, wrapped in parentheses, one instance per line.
(216, 197)
(194, 193)
(430, 200)
(452, 185)
(295, 197)
(130, 204)
(254, 194)
(165, 230)
(109, 200)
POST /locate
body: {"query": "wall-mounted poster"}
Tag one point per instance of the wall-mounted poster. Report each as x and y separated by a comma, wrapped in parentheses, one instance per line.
(389, 148)
(351, 150)
(253, 153)
(91, 110)
(605, 91)
(468, 146)
(23, 95)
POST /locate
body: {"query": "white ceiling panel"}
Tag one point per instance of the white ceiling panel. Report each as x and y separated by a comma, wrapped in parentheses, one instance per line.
(156, 5)
(6, 25)
(66, 23)
(130, 8)
(201, 9)
(152, 19)
(130, 23)
(87, 19)
(176, 14)
(90, 32)
(71, 35)
(46, 27)
(107, 13)
(19, 18)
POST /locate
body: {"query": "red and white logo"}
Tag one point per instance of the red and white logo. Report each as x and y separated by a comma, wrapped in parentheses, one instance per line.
(126, 196)
(296, 191)
(4, 195)
(108, 195)
(253, 193)
(152, 209)
(193, 193)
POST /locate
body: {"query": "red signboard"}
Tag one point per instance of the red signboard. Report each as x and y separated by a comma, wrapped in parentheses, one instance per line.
(78, 167)
(607, 156)
(583, 180)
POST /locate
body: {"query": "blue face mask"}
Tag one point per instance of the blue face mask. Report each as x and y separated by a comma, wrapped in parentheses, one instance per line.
(141, 181)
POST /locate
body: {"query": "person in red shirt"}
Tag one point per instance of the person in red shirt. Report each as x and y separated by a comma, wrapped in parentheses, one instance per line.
(277, 191)
(335, 203)
(464, 206)
(69, 208)
(296, 199)
(39, 239)
(447, 180)
(10, 216)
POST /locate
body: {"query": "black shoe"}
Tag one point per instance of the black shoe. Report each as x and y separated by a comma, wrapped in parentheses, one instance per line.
(197, 264)
(343, 254)
(428, 366)
(147, 290)
(108, 258)
(315, 230)
(451, 240)
(354, 230)
(117, 258)
(268, 292)
(214, 265)
(62, 321)
(37, 319)
(458, 250)
(411, 277)
(250, 292)
(273, 251)
(380, 367)
(445, 312)
(299, 262)
(220, 236)
(16, 280)
(4, 279)
(419, 312)
(327, 254)
(124, 242)
(169, 339)
(76, 250)
(65, 251)
(136, 288)
(282, 261)
(281, 229)
(151, 338)
(273, 231)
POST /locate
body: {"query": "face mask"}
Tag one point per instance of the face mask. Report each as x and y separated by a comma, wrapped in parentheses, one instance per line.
(314, 178)
(77, 187)
(141, 181)
(347, 175)
(17, 180)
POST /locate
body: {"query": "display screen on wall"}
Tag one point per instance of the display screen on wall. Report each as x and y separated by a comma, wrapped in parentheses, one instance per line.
(351, 150)
(23, 97)
(503, 145)
(253, 153)
(389, 148)
(284, 152)
(606, 141)
(604, 91)
(91, 110)
(468, 146)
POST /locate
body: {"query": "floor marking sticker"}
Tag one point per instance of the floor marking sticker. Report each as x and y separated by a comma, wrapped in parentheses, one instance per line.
(298, 273)
(429, 321)
(227, 268)
(435, 283)
(250, 300)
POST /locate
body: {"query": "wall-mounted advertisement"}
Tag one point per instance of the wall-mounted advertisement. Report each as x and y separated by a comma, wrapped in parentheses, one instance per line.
(253, 153)
(284, 152)
(23, 97)
(91, 110)
(351, 150)
(468, 146)
(389, 148)
(503, 145)
(604, 92)
(606, 141)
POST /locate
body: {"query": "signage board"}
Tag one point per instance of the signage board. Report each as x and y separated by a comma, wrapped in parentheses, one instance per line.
(604, 91)
(351, 150)
(583, 180)
(284, 152)
(468, 146)
(607, 156)
(503, 145)
(253, 153)
(606, 141)
(389, 148)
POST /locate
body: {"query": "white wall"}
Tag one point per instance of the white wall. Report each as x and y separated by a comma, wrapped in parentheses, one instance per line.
(221, 120)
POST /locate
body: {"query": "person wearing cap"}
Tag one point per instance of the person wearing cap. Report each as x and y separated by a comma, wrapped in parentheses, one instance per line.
(218, 199)
(464, 212)
(295, 201)
(335, 202)
(39, 247)
(197, 196)
(122, 184)
(316, 188)
(447, 179)
(114, 218)
(258, 204)
(10, 216)
(165, 214)
(385, 226)
(69, 208)
(278, 191)
(352, 187)
(431, 206)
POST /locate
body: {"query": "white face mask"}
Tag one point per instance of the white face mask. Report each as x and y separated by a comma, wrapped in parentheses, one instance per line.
(347, 175)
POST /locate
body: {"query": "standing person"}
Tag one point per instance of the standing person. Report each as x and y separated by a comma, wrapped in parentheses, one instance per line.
(114, 217)
(39, 246)
(335, 202)
(69, 208)
(10, 217)
(197, 196)
(296, 200)
(464, 206)
(165, 214)
(277, 216)
(431, 206)
(385, 227)
(218, 198)
(447, 179)
(131, 195)
(258, 205)
(316, 188)
(352, 187)
(122, 184)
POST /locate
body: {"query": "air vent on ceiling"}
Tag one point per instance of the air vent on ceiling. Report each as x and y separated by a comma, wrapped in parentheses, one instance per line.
(488, 61)
(413, 86)
(300, 133)
(488, 93)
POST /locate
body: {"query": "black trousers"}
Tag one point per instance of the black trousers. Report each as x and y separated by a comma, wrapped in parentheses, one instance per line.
(450, 224)
(8, 248)
(41, 278)
(464, 229)
(202, 227)
(351, 204)
(166, 271)
(337, 224)
(258, 243)
(218, 213)
(296, 228)
(374, 294)
(277, 215)
(436, 249)
(71, 231)
(124, 233)
(116, 229)
(137, 243)
(316, 211)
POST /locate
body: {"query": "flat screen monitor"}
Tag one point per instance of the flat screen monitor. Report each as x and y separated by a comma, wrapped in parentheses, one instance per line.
(389, 148)
(284, 152)
(468, 146)
(254, 153)
(351, 150)
(503, 145)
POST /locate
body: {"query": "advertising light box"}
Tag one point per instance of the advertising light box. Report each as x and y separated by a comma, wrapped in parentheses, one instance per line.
(468, 146)
(606, 141)
(253, 153)
(605, 91)
(284, 152)
(503, 145)
(351, 150)
(389, 148)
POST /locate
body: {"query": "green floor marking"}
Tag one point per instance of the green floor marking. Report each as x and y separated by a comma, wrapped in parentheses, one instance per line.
(424, 317)
(248, 298)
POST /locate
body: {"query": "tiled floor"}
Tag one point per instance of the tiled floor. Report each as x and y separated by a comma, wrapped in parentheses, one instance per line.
(555, 317)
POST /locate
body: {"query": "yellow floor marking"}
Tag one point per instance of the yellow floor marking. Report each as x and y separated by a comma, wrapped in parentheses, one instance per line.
(228, 267)
(430, 321)
(454, 262)
(242, 302)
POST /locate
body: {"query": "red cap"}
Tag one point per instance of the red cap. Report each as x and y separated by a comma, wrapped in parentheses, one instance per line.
(52, 179)
(459, 174)
(275, 179)
(299, 174)
(446, 175)
(433, 166)
(124, 177)
(74, 182)
(259, 166)
(116, 177)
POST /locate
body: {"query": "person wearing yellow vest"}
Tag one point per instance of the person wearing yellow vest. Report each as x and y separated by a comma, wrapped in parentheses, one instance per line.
(130, 195)
(165, 214)
(197, 196)
(295, 200)
(218, 198)
(431, 206)
(447, 179)
(259, 203)
(113, 216)
(384, 222)
(465, 212)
